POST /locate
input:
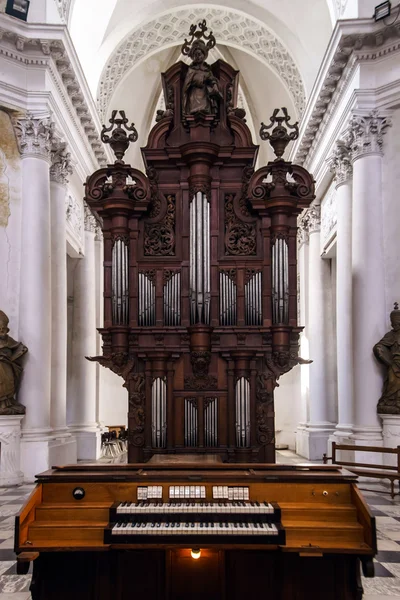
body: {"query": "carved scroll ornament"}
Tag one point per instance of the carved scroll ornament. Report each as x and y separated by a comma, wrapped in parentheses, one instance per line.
(137, 415)
(240, 237)
(159, 237)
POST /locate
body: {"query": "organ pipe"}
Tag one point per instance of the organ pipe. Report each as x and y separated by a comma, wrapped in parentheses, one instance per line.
(228, 300)
(200, 284)
(191, 420)
(159, 413)
(147, 300)
(172, 300)
(280, 282)
(242, 398)
(253, 300)
(211, 422)
(120, 283)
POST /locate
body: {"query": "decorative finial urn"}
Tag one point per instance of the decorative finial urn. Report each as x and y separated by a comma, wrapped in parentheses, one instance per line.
(119, 140)
(279, 137)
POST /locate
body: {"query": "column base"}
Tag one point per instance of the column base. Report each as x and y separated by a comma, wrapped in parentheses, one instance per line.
(88, 442)
(367, 436)
(10, 440)
(342, 435)
(391, 437)
(64, 448)
(35, 452)
(312, 439)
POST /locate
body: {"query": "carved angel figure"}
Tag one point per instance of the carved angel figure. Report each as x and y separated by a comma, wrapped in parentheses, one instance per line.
(11, 353)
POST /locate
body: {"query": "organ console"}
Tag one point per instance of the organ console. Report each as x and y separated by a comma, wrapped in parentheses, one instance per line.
(200, 321)
(112, 532)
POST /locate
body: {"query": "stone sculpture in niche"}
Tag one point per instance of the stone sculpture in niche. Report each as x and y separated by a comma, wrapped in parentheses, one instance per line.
(387, 351)
(201, 91)
(11, 353)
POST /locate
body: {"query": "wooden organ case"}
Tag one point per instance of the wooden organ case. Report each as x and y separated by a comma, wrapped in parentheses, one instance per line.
(200, 276)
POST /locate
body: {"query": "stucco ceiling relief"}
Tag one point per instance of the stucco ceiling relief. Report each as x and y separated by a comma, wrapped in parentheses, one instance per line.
(230, 28)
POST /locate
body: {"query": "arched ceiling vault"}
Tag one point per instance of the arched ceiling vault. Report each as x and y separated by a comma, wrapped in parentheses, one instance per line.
(230, 28)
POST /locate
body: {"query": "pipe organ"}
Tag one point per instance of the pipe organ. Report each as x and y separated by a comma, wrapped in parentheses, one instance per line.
(200, 321)
(200, 269)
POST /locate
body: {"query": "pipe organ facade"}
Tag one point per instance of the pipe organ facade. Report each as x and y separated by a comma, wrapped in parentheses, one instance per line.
(200, 298)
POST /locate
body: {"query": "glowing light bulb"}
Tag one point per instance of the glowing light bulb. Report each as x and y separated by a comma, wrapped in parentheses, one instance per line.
(195, 553)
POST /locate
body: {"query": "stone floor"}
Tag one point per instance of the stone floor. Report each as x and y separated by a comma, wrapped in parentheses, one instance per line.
(385, 585)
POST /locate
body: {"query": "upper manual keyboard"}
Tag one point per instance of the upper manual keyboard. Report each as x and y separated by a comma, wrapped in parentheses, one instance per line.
(211, 508)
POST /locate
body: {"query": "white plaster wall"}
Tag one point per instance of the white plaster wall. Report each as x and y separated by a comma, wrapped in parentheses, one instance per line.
(113, 408)
(10, 223)
(288, 408)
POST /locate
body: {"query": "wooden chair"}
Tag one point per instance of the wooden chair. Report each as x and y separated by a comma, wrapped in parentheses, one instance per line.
(368, 469)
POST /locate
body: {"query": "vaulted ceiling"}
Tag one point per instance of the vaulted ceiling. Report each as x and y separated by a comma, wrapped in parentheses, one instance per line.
(123, 46)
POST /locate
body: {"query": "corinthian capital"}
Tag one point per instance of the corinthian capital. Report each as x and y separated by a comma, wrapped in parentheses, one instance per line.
(366, 134)
(34, 135)
(314, 218)
(302, 230)
(90, 221)
(340, 162)
(61, 166)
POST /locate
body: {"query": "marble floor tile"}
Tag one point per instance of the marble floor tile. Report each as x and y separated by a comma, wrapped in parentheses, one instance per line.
(7, 524)
(5, 566)
(392, 535)
(383, 545)
(14, 583)
(7, 511)
(19, 596)
(8, 543)
(382, 585)
(365, 597)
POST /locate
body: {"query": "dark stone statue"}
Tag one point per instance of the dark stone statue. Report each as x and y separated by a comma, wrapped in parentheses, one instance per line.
(387, 351)
(200, 89)
(11, 353)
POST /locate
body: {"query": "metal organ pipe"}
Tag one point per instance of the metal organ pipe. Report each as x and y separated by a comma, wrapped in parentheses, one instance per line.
(147, 296)
(200, 288)
(227, 314)
(120, 283)
(190, 422)
(253, 300)
(211, 422)
(158, 413)
(172, 300)
(242, 397)
(280, 281)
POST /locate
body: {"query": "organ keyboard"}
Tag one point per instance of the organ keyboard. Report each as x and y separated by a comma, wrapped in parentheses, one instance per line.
(252, 523)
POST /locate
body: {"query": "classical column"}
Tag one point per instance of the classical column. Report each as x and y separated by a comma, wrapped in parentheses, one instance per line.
(59, 171)
(302, 287)
(369, 318)
(318, 427)
(99, 257)
(82, 400)
(35, 138)
(340, 164)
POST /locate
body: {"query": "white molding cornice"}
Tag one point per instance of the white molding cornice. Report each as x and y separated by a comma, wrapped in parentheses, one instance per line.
(50, 46)
(352, 42)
